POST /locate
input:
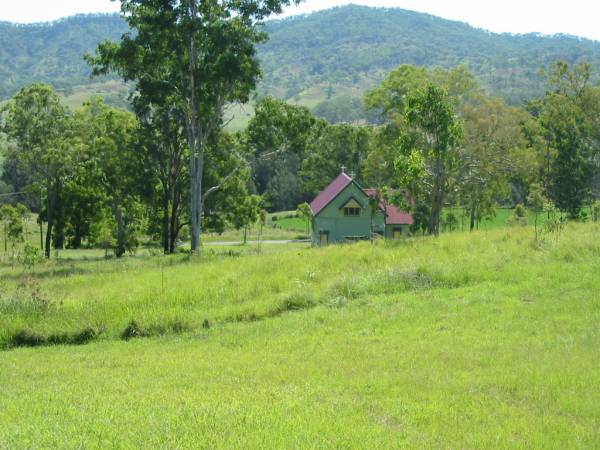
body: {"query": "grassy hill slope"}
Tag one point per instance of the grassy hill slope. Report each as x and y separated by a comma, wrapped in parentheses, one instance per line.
(471, 340)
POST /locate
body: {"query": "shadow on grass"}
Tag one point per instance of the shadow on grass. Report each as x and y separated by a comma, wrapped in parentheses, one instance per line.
(29, 338)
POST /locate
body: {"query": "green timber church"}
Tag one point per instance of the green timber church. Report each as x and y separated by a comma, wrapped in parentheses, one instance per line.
(342, 212)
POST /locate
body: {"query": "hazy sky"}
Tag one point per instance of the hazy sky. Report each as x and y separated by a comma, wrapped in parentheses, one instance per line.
(577, 17)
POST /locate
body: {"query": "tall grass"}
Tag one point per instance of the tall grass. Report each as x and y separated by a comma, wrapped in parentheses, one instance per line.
(479, 340)
(67, 297)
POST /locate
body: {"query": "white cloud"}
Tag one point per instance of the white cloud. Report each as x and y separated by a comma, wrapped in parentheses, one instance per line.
(27, 11)
(577, 17)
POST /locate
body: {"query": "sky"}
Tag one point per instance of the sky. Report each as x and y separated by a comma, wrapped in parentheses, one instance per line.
(576, 17)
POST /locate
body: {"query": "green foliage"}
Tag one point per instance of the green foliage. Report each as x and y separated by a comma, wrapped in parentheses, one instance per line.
(519, 216)
(30, 257)
(38, 123)
(494, 153)
(569, 116)
(279, 137)
(305, 213)
(335, 147)
(430, 150)
(197, 57)
(350, 47)
(52, 52)
(450, 222)
(539, 203)
(246, 213)
(115, 166)
(14, 224)
(342, 50)
(342, 108)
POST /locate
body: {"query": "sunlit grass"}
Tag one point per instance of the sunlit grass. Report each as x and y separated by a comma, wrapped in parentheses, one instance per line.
(472, 340)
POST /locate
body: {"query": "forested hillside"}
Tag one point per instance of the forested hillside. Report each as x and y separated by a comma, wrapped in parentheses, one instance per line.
(52, 52)
(326, 60)
(355, 46)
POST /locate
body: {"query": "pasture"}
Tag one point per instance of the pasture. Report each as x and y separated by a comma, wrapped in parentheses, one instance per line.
(472, 340)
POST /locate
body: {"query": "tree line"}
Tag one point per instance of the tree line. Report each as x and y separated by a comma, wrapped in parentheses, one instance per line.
(169, 168)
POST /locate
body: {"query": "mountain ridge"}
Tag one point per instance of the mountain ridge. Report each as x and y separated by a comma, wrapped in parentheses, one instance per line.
(325, 60)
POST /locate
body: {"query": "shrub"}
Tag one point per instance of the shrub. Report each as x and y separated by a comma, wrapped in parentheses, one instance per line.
(450, 221)
(30, 257)
(519, 216)
(520, 211)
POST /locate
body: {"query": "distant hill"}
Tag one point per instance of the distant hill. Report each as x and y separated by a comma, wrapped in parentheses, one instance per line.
(325, 60)
(52, 52)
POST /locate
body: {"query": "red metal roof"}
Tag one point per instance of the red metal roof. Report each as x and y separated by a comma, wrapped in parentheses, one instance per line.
(330, 192)
(393, 215)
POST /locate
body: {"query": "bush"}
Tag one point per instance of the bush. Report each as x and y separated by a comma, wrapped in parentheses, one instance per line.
(450, 222)
(520, 211)
(30, 257)
(519, 216)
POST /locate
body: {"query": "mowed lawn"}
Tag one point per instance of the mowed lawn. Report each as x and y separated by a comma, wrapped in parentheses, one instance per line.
(479, 340)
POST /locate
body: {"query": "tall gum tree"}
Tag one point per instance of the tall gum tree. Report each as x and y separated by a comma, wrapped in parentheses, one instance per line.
(198, 55)
(430, 148)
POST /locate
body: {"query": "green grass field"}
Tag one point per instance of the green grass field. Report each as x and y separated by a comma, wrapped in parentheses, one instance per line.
(472, 340)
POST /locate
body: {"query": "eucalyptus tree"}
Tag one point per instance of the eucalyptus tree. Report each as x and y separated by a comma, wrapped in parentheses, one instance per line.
(39, 124)
(334, 147)
(429, 150)
(165, 153)
(492, 151)
(198, 55)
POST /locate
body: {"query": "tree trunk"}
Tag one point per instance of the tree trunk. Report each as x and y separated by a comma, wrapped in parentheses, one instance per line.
(41, 234)
(473, 215)
(196, 145)
(165, 222)
(77, 238)
(48, 244)
(120, 249)
(174, 225)
(50, 218)
(436, 211)
(59, 235)
(437, 200)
